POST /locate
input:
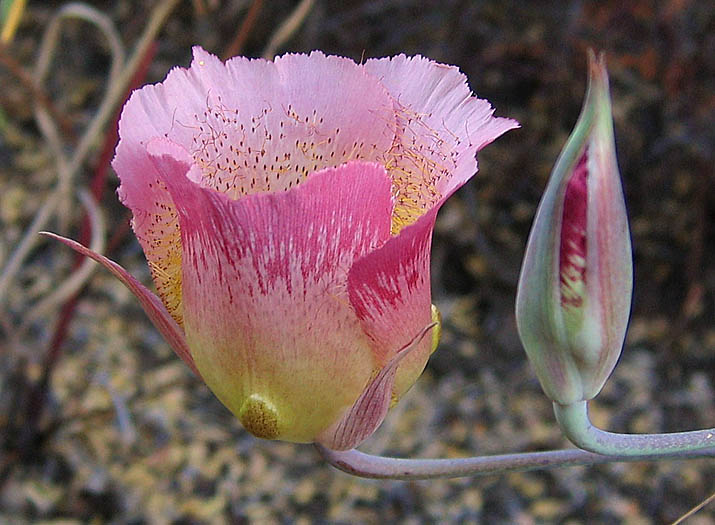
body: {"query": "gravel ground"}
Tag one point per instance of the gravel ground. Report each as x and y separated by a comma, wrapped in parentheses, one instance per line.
(128, 435)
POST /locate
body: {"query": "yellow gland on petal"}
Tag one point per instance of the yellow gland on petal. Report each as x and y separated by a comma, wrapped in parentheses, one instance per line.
(259, 416)
(413, 180)
(423, 155)
(437, 330)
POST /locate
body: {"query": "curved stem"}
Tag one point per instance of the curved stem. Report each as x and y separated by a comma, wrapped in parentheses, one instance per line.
(575, 423)
(50, 41)
(377, 467)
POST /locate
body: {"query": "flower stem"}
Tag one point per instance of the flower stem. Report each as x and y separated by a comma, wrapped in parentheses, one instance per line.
(574, 422)
(377, 467)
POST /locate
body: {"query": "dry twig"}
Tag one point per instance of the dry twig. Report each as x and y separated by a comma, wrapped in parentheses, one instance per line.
(287, 29)
(73, 284)
(239, 41)
(695, 509)
(113, 97)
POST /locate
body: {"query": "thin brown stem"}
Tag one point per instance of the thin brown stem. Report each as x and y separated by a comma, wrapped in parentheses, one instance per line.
(287, 29)
(36, 92)
(239, 41)
(695, 509)
(110, 102)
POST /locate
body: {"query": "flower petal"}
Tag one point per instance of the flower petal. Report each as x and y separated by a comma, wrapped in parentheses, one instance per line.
(266, 311)
(363, 418)
(154, 218)
(441, 128)
(389, 289)
(254, 126)
(249, 126)
(151, 303)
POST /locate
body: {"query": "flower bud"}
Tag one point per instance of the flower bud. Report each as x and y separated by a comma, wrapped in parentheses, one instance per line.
(574, 292)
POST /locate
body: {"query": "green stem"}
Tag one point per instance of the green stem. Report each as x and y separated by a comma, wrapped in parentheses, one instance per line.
(578, 428)
(377, 467)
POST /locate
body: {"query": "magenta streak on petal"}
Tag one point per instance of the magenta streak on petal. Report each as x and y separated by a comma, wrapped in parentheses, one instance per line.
(265, 300)
(389, 290)
(572, 253)
(390, 287)
(151, 303)
(363, 418)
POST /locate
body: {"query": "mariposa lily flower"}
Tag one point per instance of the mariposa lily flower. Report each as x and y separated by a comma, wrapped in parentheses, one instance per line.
(574, 294)
(286, 210)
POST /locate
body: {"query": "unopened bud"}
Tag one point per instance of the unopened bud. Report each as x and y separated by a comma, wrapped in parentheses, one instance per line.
(574, 293)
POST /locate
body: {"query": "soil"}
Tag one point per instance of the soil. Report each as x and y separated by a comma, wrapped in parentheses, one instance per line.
(122, 432)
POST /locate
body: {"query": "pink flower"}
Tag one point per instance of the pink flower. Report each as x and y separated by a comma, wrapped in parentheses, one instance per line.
(286, 210)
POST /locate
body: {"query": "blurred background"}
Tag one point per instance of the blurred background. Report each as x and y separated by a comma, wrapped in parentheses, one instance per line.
(101, 423)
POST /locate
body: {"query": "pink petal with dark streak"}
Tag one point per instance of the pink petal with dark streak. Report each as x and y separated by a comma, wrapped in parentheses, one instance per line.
(363, 418)
(389, 289)
(572, 252)
(265, 293)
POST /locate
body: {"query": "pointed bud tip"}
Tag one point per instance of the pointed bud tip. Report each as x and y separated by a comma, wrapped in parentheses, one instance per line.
(597, 71)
